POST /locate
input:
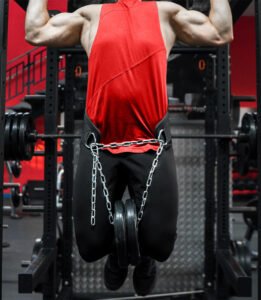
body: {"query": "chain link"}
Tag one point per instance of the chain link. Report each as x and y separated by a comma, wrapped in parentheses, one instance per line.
(149, 180)
(97, 166)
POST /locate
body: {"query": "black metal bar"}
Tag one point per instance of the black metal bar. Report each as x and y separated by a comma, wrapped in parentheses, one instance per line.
(56, 136)
(175, 50)
(186, 108)
(234, 274)
(67, 240)
(42, 153)
(35, 273)
(210, 160)
(258, 87)
(3, 50)
(243, 209)
(191, 50)
(174, 136)
(223, 163)
(50, 168)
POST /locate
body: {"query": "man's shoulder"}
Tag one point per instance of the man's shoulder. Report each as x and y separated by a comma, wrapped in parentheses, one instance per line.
(168, 7)
(90, 10)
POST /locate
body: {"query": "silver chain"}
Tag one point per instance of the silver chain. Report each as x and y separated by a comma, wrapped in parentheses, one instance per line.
(149, 180)
(96, 165)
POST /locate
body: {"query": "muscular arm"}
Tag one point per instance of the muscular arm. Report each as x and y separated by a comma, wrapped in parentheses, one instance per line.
(195, 28)
(62, 30)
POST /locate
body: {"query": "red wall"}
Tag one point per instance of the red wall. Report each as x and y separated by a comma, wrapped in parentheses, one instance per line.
(243, 58)
(16, 43)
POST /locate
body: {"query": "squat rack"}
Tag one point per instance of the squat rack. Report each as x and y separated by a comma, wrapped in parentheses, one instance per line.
(49, 237)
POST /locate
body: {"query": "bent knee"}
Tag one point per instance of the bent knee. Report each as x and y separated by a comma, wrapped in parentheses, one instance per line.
(160, 250)
(91, 251)
(89, 256)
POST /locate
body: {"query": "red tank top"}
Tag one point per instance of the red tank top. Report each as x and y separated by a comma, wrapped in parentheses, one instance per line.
(127, 68)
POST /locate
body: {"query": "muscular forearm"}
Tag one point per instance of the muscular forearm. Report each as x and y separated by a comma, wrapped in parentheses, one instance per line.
(221, 18)
(36, 17)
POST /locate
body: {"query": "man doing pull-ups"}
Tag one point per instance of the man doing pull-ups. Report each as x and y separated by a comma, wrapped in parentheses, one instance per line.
(128, 43)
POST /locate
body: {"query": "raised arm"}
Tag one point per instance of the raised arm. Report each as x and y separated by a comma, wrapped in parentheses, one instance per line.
(62, 30)
(195, 28)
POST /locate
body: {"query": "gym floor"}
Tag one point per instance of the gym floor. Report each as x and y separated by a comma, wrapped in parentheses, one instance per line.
(21, 234)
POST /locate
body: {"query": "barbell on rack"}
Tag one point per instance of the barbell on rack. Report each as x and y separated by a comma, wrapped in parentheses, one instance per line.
(21, 136)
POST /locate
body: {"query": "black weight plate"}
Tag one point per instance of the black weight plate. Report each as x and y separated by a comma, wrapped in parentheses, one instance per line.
(132, 232)
(22, 131)
(26, 148)
(120, 234)
(30, 145)
(15, 136)
(7, 140)
(249, 127)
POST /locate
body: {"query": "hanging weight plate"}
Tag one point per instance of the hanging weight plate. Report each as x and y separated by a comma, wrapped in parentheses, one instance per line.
(26, 148)
(132, 232)
(15, 136)
(120, 234)
(7, 139)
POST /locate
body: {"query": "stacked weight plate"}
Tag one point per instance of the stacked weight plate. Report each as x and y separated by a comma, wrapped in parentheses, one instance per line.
(16, 130)
(183, 270)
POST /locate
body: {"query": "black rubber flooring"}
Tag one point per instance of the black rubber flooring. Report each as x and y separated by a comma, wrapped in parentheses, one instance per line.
(21, 235)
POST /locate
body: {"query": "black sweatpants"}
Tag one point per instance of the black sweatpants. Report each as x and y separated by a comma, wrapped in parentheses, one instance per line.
(157, 229)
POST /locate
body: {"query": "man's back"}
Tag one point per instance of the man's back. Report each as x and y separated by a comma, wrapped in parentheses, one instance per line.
(126, 95)
(92, 14)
